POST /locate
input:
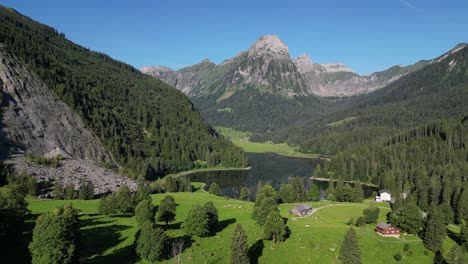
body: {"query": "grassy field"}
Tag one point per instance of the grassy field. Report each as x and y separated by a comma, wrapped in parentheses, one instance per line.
(314, 239)
(241, 139)
(341, 122)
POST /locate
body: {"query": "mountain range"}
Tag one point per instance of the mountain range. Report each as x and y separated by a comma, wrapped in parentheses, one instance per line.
(264, 89)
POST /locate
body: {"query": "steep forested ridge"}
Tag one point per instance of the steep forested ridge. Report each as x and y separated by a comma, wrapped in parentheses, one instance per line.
(149, 127)
(436, 91)
(429, 162)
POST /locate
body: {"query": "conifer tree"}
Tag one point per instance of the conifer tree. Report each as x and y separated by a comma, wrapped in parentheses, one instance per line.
(274, 227)
(435, 230)
(314, 193)
(144, 211)
(212, 214)
(239, 248)
(350, 252)
(151, 242)
(196, 223)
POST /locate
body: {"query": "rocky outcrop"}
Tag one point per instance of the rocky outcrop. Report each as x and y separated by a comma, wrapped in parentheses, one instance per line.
(35, 121)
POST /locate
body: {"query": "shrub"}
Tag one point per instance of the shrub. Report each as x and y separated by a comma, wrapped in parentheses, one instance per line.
(150, 243)
(398, 257)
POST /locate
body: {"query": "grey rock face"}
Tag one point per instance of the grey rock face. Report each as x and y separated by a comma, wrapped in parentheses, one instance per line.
(267, 65)
(35, 121)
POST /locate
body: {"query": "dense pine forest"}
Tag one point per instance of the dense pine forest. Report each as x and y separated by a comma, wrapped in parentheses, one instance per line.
(150, 128)
(437, 91)
(429, 163)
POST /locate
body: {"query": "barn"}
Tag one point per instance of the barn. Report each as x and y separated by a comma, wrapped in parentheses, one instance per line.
(301, 210)
(387, 230)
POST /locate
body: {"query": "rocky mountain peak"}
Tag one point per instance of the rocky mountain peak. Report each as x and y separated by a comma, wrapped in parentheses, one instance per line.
(303, 63)
(155, 69)
(269, 44)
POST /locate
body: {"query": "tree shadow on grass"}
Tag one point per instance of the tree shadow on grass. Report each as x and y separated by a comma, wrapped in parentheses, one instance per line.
(223, 225)
(123, 255)
(454, 236)
(177, 245)
(96, 240)
(256, 251)
(94, 222)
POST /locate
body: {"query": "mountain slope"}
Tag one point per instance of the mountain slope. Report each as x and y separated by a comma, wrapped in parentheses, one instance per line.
(149, 127)
(263, 89)
(437, 91)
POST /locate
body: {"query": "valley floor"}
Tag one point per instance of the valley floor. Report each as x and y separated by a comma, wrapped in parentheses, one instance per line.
(314, 239)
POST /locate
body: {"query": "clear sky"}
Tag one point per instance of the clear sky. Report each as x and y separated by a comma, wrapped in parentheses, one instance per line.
(365, 35)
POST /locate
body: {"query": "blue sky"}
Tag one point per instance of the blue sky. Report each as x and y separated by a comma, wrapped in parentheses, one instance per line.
(365, 35)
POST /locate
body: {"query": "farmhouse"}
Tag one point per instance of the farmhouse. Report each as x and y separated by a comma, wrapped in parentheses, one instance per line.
(384, 196)
(301, 210)
(387, 230)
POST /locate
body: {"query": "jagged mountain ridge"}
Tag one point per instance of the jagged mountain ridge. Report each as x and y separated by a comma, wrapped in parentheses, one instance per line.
(267, 63)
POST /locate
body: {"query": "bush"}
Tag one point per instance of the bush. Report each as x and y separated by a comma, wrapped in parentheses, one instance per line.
(331, 197)
(398, 257)
(86, 191)
(196, 222)
(167, 210)
(214, 189)
(120, 202)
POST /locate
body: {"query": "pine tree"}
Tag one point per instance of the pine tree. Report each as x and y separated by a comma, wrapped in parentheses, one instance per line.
(314, 193)
(151, 242)
(274, 227)
(261, 211)
(350, 252)
(144, 211)
(239, 248)
(455, 256)
(435, 230)
(167, 210)
(298, 189)
(143, 193)
(212, 214)
(196, 223)
(86, 191)
(214, 189)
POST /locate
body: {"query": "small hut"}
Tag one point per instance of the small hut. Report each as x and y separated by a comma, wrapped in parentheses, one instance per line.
(301, 210)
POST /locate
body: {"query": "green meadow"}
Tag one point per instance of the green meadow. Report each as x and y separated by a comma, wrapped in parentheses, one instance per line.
(241, 139)
(313, 239)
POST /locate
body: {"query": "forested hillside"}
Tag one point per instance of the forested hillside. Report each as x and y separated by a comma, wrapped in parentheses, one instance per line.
(437, 91)
(149, 127)
(428, 162)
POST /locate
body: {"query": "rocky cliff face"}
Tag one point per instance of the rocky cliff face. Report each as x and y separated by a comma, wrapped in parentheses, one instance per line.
(267, 65)
(35, 121)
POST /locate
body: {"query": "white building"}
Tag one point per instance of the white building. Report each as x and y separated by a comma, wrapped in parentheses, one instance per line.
(385, 196)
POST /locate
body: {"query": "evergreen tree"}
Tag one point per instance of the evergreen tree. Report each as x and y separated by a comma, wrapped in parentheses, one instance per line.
(244, 194)
(144, 211)
(286, 193)
(196, 223)
(86, 191)
(212, 214)
(274, 227)
(151, 242)
(371, 214)
(214, 189)
(261, 211)
(464, 235)
(314, 193)
(407, 218)
(58, 192)
(170, 184)
(317, 171)
(350, 252)
(239, 248)
(435, 230)
(70, 193)
(298, 189)
(167, 210)
(455, 256)
(143, 193)
(55, 237)
(124, 200)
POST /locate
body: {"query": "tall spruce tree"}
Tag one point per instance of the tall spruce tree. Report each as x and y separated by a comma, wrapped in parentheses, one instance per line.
(435, 230)
(144, 212)
(214, 189)
(244, 194)
(274, 228)
(150, 244)
(350, 252)
(239, 248)
(196, 223)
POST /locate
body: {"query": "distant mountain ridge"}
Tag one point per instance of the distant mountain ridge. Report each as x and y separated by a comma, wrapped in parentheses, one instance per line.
(267, 63)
